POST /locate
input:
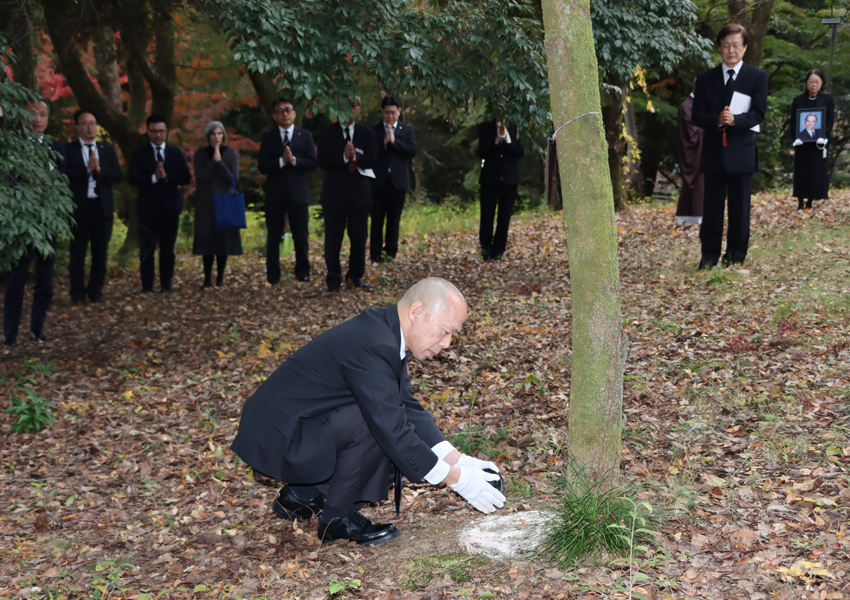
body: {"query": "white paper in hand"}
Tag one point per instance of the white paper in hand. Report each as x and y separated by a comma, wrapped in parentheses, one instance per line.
(741, 104)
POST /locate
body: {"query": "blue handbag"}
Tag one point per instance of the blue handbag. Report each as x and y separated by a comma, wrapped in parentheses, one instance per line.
(230, 209)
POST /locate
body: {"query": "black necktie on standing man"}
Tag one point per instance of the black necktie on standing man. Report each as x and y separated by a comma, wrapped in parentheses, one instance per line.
(729, 83)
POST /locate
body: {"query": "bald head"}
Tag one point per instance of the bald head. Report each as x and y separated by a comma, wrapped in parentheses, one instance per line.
(430, 313)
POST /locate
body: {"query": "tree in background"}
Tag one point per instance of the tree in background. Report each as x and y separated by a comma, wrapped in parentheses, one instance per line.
(35, 202)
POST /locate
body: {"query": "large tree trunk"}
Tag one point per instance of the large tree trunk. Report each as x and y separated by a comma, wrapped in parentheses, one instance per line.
(267, 92)
(758, 31)
(598, 343)
(106, 59)
(18, 27)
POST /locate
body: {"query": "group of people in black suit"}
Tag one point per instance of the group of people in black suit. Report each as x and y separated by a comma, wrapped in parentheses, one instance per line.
(367, 174)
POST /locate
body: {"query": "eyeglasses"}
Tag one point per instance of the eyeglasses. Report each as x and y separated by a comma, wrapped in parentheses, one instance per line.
(87, 123)
(157, 131)
(284, 111)
(736, 46)
(817, 81)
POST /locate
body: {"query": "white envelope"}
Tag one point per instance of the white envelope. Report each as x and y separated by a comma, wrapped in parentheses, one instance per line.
(740, 104)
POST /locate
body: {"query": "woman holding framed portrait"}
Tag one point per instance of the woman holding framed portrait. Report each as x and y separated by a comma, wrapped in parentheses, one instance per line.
(812, 117)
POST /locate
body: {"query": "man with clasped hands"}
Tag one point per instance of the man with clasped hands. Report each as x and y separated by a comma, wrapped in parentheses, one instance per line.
(338, 418)
(729, 147)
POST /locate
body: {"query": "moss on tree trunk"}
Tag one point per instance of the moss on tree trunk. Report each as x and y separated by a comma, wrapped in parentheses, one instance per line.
(599, 345)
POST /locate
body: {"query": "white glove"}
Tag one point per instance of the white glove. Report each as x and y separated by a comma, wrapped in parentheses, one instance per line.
(467, 461)
(798, 143)
(821, 141)
(474, 486)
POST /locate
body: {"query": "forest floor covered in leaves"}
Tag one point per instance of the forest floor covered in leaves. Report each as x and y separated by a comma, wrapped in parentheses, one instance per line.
(737, 422)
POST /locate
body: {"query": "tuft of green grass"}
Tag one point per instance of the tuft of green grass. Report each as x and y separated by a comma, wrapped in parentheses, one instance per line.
(417, 574)
(591, 518)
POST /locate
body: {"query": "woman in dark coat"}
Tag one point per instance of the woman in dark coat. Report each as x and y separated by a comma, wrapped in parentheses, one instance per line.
(213, 167)
(811, 180)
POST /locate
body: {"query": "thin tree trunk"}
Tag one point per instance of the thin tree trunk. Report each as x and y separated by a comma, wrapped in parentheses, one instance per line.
(634, 187)
(599, 344)
(612, 120)
(737, 11)
(266, 92)
(18, 27)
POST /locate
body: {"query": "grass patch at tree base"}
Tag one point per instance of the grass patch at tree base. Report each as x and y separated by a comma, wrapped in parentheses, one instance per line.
(417, 574)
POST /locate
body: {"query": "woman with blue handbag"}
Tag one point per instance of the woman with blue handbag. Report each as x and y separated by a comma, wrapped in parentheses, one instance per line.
(216, 170)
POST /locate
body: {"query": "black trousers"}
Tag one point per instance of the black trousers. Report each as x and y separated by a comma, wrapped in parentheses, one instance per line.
(356, 218)
(739, 187)
(363, 472)
(96, 228)
(299, 219)
(42, 295)
(492, 196)
(161, 228)
(387, 202)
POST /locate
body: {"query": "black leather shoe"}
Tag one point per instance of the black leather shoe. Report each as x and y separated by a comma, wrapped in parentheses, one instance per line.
(705, 264)
(356, 283)
(39, 337)
(289, 506)
(10, 342)
(304, 278)
(96, 299)
(357, 528)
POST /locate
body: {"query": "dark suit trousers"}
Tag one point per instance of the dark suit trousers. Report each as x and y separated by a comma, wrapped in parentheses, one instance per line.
(363, 472)
(153, 228)
(95, 227)
(336, 218)
(739, 187)
(386, 202)
(492, 196)
(13, 299)
(299, 219)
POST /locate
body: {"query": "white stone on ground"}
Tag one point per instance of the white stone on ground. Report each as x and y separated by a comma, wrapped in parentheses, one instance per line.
(504, 536)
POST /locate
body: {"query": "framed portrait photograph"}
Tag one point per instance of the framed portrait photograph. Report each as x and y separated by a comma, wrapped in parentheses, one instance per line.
(810, 124)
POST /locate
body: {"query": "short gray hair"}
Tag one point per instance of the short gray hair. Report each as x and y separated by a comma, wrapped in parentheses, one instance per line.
(211, 127)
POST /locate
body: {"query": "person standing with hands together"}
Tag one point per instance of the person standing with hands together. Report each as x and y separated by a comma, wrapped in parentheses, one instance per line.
(729, 101)
(158, 169)
(92, 167)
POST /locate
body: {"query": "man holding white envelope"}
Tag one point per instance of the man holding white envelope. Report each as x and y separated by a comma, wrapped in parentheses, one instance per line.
(730, 101)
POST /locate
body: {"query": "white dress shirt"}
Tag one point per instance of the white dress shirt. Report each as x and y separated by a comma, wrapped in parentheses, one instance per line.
(162, 152)
(350, 128)
(85, 150)
(736, 69)
(289, 131)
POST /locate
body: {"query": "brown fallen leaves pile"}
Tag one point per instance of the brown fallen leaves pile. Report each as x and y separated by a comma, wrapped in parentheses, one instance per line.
(736, 407)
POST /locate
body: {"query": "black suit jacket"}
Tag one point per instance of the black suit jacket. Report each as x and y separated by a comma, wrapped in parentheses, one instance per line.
(501, 161)
(59, 148)
(804, 135)
(162, 197)
(292, 179)
(739, 155)
(394, 159)
(110, 172)
(340, 182)
(285, 429)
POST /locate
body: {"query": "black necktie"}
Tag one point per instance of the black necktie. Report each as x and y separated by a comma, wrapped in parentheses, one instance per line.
(397, 483)
(158, 155)
(729, 82)
(347, 134)
(285, 139)
(93, 173)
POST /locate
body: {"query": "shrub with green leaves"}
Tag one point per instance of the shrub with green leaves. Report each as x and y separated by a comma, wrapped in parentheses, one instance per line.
(35, 202)
(591, 520)
(33, 412)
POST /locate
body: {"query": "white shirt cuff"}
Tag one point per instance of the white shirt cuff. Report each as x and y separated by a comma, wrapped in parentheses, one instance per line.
(281, 162)
(294, 161)
(345, 159)
(443, 449)
(153, 178)
(438, 473)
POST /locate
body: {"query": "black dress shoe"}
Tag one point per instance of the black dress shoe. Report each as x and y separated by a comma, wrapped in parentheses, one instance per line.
(10, 342)
(304, 278)
(96, 298)
(333, 289)
(357, 528)
(288, 505)
(705, 264)
(37, 336)
(357, 283)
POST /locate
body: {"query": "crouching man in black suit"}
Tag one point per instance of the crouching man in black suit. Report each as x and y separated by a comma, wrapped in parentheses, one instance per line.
(337, 420)
(729, 156)
(157, 169)
(347, 151)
